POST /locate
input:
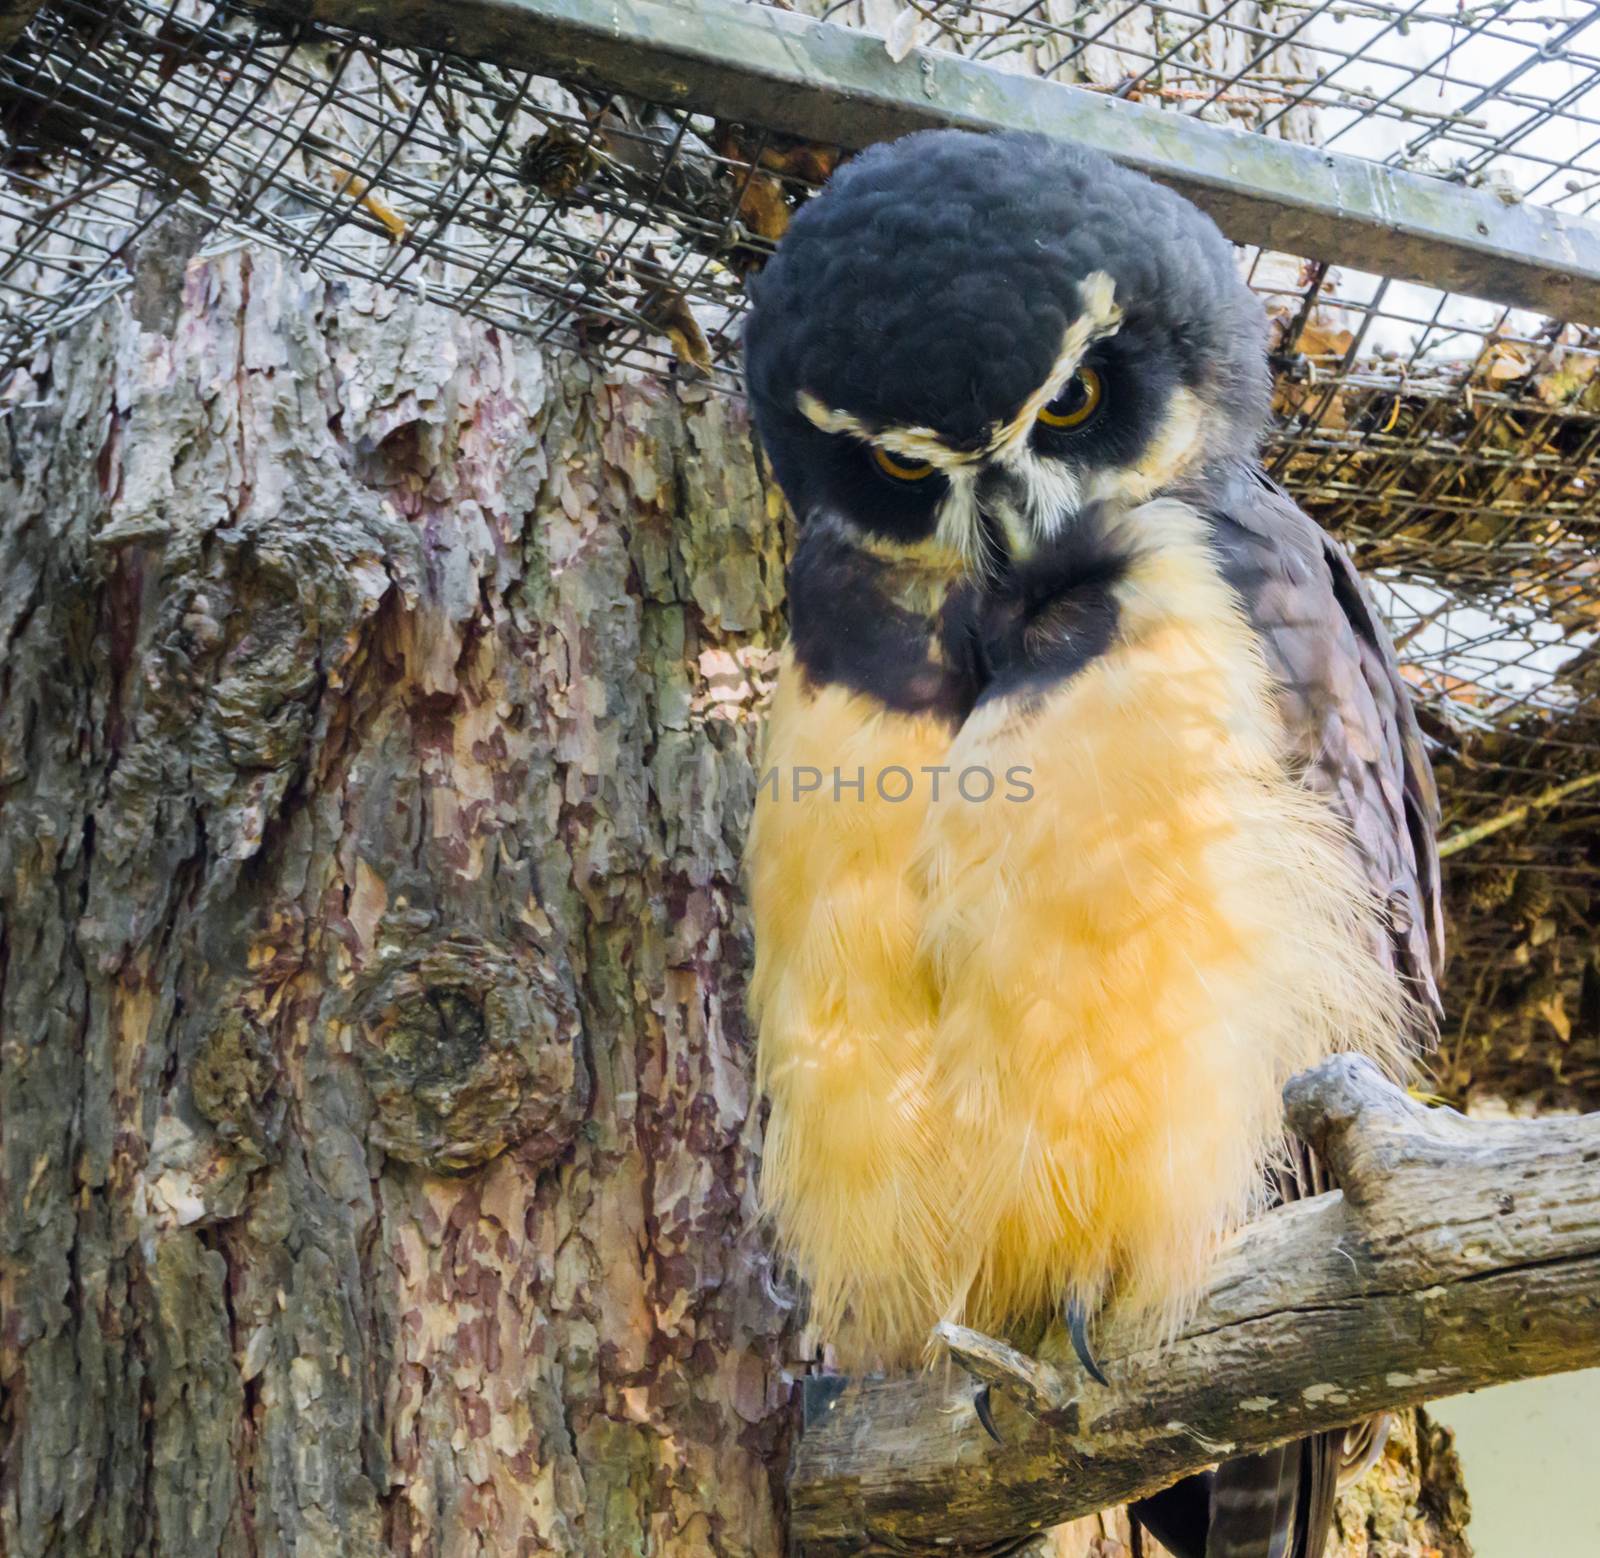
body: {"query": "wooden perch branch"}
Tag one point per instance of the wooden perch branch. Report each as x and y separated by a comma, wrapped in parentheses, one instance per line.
(1459, 1254)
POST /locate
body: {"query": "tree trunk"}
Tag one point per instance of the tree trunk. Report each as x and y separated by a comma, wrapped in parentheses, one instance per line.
(378, 1125)
(377, 722)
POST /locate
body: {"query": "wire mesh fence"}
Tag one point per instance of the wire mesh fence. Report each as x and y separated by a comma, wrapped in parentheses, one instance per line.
(1500, 92)
(1454, 444)
(563, 215)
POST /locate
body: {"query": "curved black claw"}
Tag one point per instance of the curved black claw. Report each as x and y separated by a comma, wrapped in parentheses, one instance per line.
(1077, 1329)
(980, 1405)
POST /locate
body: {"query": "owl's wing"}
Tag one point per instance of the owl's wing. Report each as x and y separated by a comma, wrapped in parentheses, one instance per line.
(1347, 708)
(1350, 720)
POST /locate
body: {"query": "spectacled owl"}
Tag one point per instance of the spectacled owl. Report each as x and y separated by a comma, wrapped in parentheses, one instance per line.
(1093, 803)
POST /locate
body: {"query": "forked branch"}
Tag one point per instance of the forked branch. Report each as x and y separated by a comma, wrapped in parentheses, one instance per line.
(1459, 1254)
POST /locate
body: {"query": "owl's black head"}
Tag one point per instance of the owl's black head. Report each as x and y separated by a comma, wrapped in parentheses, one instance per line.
(967, 339)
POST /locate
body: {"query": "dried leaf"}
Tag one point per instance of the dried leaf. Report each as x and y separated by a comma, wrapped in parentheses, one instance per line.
(557, 162)
(1504, 361)
(1569, 375)
(665, 309)
(1554, 1012)
(812, 161)
(763, 208)
(688, 340)
(1322, 338)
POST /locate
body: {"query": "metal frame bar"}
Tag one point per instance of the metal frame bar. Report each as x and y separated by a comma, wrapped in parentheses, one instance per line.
(753, 64)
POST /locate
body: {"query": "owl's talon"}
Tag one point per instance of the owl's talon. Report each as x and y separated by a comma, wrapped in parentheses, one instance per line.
(981, 1405)
(1077, 1328)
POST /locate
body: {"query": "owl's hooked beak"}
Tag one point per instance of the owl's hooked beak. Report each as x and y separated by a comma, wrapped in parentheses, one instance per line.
(1006, 510)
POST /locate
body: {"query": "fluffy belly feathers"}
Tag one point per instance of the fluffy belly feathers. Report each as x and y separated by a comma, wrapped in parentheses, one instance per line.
(846, 1017)
(1021, 1049)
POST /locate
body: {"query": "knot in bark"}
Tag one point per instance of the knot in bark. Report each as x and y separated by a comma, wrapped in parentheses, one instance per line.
(468, 1050)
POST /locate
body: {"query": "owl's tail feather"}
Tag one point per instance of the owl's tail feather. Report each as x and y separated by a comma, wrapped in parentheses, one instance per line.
(1278, 1504)
(1275, 1504)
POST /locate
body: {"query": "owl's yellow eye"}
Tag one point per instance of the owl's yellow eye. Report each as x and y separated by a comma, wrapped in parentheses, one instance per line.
(1077, 402)
(902, 468)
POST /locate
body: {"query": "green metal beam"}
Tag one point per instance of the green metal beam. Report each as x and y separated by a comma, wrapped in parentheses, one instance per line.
(757, 65)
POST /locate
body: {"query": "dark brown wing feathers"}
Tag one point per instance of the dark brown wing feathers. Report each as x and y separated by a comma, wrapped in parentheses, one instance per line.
(1347, 707)
(1350, 719)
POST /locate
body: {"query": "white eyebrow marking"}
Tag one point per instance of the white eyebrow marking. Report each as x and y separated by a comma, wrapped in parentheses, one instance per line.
(919, 443)
(1101, 317)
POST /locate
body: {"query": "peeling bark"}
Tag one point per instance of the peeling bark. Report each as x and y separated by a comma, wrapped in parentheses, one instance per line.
(1412, 1503)
(378, 1124)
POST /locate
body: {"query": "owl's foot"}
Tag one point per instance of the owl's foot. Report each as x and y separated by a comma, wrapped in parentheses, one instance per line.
(995, 1365)
(1077, 1321)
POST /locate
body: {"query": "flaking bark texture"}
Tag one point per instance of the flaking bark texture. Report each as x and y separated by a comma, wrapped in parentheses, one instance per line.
(1412, 1504)
(376, 1094)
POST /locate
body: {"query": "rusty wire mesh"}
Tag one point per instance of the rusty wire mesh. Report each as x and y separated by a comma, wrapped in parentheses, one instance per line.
(1455, 445)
